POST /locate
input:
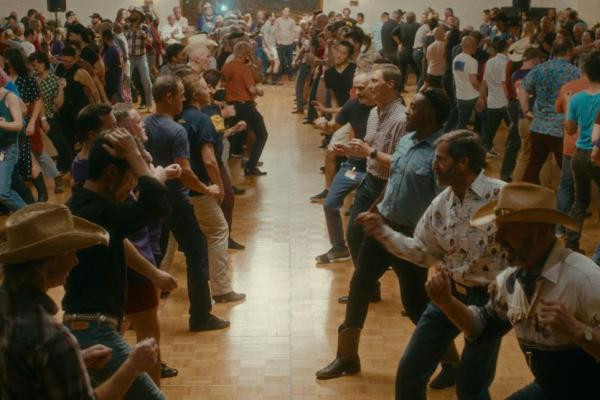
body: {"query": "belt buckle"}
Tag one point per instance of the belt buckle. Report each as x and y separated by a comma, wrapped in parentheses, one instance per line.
(460, 288)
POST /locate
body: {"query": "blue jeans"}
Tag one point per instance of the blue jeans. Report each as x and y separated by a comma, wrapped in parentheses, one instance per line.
(141, 63)
(341, 186)
(418, 56)
(367, 192)
(566, 190)
(433, 334)
(529, 392)
(303, 75)
(261, 54)
(9, 197)
(97, 333)
(286, 57)
(182, 222)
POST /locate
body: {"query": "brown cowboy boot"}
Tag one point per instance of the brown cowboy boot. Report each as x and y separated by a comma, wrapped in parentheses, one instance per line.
(347, 360)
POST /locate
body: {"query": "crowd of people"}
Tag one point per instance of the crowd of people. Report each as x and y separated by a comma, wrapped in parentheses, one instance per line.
(143, 119)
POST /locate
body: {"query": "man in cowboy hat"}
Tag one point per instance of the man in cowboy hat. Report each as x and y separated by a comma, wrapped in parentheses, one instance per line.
(444, 238)
(39, 358)
(551, 296)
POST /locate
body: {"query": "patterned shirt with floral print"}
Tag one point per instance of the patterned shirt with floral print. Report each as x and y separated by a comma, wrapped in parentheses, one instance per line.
(444, 236)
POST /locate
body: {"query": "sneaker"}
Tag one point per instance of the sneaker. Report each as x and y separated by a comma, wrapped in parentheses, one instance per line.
(320, 196)
(333, 256)
(212, 323)
(229, 297)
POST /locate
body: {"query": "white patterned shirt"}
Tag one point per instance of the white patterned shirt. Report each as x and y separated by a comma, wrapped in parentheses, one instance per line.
(567, 277)
(445, 237)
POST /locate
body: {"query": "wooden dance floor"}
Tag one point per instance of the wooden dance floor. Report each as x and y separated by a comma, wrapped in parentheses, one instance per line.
(286, 329)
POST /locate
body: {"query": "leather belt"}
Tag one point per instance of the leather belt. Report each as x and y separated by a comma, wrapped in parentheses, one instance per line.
(101, 318)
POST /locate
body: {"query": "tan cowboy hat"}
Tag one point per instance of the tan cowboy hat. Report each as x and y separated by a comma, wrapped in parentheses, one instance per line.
(517, 49)
(523, 202)
(43, 230)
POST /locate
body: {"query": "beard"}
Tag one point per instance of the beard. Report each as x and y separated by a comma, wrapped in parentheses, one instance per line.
(445, 178)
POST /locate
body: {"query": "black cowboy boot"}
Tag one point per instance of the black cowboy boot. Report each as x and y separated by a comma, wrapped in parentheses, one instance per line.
(40, 186)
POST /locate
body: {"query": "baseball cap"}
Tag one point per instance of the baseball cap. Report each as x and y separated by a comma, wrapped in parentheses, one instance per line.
(96, 15)
(70, 13)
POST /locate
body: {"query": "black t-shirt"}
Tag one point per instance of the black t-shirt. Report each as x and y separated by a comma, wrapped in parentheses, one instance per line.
(98, 284)
(89, 55)
(406, 32)
(340, 82)
(356, 114)
(387, 42)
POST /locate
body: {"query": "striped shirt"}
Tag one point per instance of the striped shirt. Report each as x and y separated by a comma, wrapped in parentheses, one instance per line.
(384, 130)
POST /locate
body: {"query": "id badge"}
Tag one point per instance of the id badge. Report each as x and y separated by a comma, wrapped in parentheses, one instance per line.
(350, 174)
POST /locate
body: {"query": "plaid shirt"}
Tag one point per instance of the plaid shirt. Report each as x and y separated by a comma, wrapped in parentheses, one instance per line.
(49, 90)
(39, 358)
(136, 40)
(384, 130)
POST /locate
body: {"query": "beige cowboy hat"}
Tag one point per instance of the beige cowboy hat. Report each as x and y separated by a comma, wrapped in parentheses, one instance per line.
(523, 202)
(517, 49)
(43, 230)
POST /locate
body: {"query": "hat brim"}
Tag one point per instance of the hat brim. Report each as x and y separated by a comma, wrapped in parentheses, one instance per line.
(486, 215)
(83, 235)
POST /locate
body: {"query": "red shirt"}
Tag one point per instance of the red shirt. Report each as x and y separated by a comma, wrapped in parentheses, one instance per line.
(238, 81)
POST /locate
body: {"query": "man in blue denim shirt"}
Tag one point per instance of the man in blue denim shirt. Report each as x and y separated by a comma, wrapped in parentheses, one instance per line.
(411, 187)
(545, 81)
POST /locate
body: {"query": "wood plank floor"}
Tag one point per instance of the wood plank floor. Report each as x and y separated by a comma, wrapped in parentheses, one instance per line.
(286, 329)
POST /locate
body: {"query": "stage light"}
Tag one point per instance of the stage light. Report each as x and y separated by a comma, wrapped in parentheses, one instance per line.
(223, 8)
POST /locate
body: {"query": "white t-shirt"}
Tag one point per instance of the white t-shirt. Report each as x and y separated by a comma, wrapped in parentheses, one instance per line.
(462, 67)
(420, 36)
(494, 76)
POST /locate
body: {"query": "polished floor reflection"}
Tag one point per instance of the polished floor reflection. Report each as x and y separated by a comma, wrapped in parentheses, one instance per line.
(286, 329)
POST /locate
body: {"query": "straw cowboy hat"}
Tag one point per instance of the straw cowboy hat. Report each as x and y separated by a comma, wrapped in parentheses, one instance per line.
(523, 202)
(44, 230)
(517, 49)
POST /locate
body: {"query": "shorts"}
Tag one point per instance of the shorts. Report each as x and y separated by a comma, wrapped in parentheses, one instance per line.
(142, 295)
(271, 53)
(341, 136)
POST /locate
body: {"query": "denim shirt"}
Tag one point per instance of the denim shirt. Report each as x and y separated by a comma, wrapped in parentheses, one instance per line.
(545, 80)
(412, 185)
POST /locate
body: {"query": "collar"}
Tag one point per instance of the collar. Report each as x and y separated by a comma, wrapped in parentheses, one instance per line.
(554, 261)
(430, 140)
(389, 107)
(478, 186)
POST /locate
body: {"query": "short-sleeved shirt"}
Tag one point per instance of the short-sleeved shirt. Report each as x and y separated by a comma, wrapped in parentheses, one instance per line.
(384, 130)
(200, 131)
(114, 68)
(49, 89)
(238, 81)
(412, 185)
(356, 114)
(420, 36)
(515, 79)
(387, 42)
(28, 88)
(406, 32)
(167, 141)
(340, 83)
(545, 80)
(494, 76)
(561, 107)
(583, 109)
(463, 67)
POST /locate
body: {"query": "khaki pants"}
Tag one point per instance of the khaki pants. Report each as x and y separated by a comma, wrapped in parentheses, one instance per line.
(550, 173)
(214, 226)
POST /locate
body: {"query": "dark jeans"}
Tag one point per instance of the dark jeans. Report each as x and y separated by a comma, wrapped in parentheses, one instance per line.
(367, 192)
(373, 261)
(303, 75)
(286, 57)
(403, 63)
(182, 222)
(566, 189)
(460, 114)
(63, 148)
(541, 146)
(433, 334)
(314, 88)
(341, 186)
(584, 172)
(247, 112)
(418, 57)
(493, 117)
(530, 392)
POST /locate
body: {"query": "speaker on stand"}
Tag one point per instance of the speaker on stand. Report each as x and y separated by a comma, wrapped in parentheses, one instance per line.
(56, 6)
(522, 7)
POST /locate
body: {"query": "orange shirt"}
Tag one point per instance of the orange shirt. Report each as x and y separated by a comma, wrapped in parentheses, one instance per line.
(238, 81)
(575, 86)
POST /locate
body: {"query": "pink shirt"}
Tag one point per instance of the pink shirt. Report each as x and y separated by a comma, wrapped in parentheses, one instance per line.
(436, 58)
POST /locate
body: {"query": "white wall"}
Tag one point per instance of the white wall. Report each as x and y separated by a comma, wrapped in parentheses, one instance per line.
(85, 8)
(469, 11)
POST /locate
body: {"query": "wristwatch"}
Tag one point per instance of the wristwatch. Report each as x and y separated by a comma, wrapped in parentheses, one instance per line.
(373, 154)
